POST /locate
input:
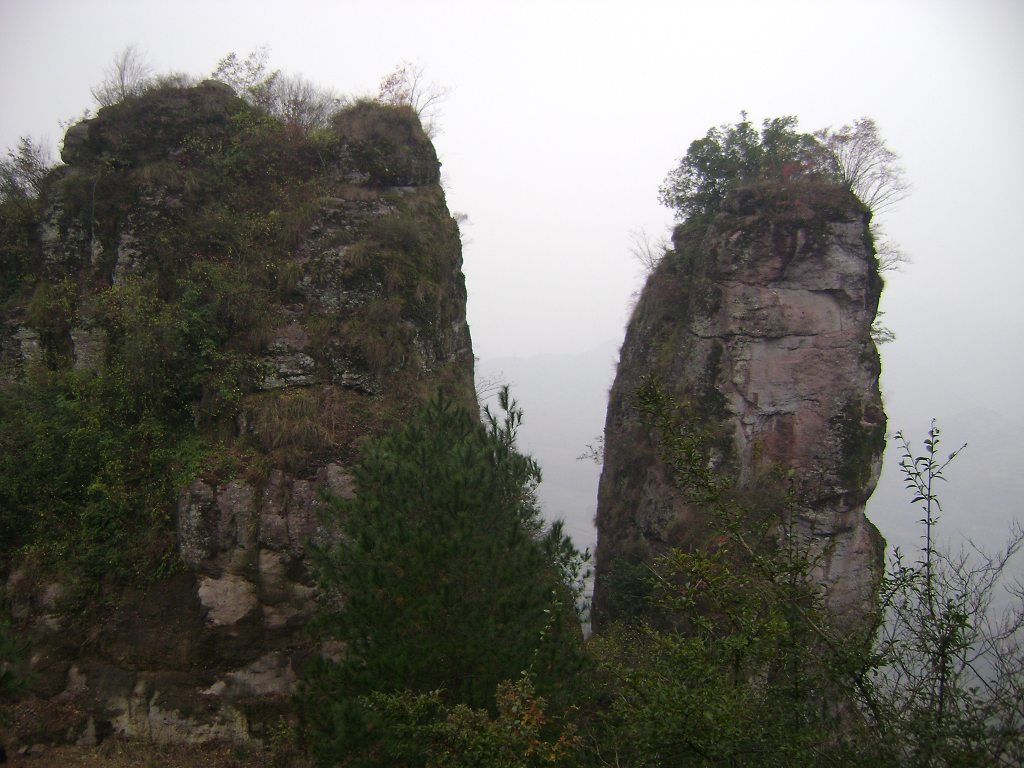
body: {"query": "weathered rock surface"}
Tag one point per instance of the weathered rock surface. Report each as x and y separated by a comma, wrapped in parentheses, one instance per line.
(366, 318)
(759, 324)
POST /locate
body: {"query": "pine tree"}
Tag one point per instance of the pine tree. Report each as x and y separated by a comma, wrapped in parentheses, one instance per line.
(444, 577)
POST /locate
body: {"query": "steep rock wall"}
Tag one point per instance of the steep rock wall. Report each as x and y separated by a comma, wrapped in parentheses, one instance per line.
(283, 295)
(759, 322)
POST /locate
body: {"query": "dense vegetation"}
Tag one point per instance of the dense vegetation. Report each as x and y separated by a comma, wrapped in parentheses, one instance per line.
(740, 663)
(149, 344)
(755, 671)
(449, 611)
(443, 581)
(729, 157)
(92, 457)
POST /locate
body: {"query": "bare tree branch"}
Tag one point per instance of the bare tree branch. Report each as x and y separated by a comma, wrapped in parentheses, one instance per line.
(647, 252)
(865, 164)
(292, 98)
(128, 75)
(407, 85)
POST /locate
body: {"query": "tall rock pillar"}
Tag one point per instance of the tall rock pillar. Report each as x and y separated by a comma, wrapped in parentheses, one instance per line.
(760, 321)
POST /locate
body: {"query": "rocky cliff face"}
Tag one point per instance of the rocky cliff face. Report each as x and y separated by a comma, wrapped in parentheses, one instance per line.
(759, 324)
(259, 299)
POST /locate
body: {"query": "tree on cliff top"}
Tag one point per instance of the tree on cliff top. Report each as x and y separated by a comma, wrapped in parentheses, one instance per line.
(860, 159)
(730, 155)
(291, 98)
(128, 75)
(406, 85)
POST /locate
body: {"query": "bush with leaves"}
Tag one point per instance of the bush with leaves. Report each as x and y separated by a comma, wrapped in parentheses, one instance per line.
(443, 577)
(950, 679)
(730, 155)
(296, 101)
(747, 668)
(738, 663)
(424, 730)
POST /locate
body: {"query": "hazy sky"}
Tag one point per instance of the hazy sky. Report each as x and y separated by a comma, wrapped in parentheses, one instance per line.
(563, 119)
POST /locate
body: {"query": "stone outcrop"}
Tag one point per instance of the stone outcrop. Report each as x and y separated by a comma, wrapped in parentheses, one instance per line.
(758, 323)
(361, 317)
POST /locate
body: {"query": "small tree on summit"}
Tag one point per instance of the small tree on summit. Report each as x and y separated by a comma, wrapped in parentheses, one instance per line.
(251, 77)
(729, 155)
(291, 98)
(406, 85)
(128, 75)
(733, 154)
(861, 160)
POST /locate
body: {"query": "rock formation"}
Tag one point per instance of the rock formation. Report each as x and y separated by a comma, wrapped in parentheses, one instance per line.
(285, 293)
(759, 323)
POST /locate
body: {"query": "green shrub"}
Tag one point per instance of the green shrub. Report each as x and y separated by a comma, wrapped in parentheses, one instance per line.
(442, 577)
(89, 476)
(51, 312)
(731, 155)
(421, 729)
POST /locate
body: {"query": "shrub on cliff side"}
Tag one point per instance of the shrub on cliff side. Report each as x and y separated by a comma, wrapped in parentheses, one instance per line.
(738, 662)
(752, 671)
(443, 577)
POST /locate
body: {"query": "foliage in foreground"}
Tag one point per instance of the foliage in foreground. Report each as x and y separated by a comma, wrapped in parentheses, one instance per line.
(742, 664)
(950, 673)
(754, 673)
(739, 666)
(423, 730)
(442, 579)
